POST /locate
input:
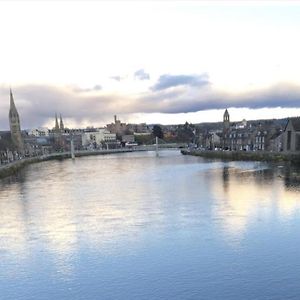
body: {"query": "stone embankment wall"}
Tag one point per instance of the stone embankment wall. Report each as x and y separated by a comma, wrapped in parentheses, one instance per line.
(244, 155)
(13, 167)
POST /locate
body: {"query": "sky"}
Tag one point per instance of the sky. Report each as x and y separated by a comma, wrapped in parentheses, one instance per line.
(161, 62)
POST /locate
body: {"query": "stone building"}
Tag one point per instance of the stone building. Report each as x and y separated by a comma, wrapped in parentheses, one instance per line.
(240, 139)
(15, 127)
(209, 140)
(226, 121)
(226, 144)
(276, 141)
(117, 127)
(58, 127)
(95, 138)
(59, 141)
(291, 135)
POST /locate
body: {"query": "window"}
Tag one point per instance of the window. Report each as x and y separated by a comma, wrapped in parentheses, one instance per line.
(297, 142)
(289, 138)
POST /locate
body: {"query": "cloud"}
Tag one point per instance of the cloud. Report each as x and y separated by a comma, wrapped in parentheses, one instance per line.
(96, 87)
(192, 99)
(167, 81)
(141, 75)
(37, 104)
(117, 78)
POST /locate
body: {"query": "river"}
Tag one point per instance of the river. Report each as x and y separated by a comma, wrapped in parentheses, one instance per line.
(136, 226)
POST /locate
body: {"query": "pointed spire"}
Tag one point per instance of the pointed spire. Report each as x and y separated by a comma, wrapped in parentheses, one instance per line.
(56, 128)
(61, 123)
(226, 115)
(226, 120)
(14, 124)
(12, 102)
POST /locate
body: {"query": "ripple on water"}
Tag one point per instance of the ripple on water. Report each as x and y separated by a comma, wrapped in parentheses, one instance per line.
(134, 226)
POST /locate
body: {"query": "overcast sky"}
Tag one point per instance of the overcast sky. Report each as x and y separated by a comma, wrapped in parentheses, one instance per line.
(155, 62)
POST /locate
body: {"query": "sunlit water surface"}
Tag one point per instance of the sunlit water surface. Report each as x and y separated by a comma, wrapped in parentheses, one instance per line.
(134, 226)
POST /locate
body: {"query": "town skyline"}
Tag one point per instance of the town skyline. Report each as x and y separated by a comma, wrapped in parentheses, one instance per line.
(138, 61)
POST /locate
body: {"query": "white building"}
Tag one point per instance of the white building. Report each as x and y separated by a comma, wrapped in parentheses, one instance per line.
(94, 138)
(41, 131)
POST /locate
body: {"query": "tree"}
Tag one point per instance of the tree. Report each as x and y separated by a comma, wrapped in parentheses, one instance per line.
(157, 132)
(186, 133)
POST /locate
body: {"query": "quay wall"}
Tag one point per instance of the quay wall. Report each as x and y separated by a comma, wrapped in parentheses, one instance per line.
(13, 167)
(244, 155)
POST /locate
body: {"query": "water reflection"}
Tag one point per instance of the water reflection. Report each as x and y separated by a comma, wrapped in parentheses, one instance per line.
(248, 196)
(62, 205)
(111, 206)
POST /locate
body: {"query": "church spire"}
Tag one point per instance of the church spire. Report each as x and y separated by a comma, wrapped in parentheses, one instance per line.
(61, 124)
(14, 124)
(12, 102)
(56, 127)
(226, 120)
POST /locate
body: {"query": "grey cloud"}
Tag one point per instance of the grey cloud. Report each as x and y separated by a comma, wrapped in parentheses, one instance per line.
(141, 75)
(117, 78)
(196, 99)
(166, 81)
(96, 87)
(38, 103)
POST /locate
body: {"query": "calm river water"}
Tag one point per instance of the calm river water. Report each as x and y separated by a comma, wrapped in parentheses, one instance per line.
(134, 226)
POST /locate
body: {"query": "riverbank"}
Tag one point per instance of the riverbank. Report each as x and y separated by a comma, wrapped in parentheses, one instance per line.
(244, 155)
(15, 166)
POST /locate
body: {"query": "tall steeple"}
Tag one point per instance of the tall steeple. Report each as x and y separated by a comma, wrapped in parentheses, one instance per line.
(61, 124)
(12, 102)
(56, 127)
(226, 120)
(14, 123)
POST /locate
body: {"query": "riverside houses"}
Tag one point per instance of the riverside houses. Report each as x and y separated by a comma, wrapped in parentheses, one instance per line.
(291, 135)
(276, 141)
(262, 137)
(243, 136)
(237, 136)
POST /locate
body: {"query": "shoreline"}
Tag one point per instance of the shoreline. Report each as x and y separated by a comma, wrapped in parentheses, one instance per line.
(15, 166)
(246, 156)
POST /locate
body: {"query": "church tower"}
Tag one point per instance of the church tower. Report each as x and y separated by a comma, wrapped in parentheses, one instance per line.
(226, 121)
(61, 124)
(14, 123)
(56, 126)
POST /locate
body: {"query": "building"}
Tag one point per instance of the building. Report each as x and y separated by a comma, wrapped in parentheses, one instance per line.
(61, 124)
(117, 127)
(276, 141)
(250, 136)
(209, 140)
(226, 128)
(58, 127)
(15, 127)
(95, 138)
(291, 135)
(39, 132)
(240, 139)
(226, 121)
